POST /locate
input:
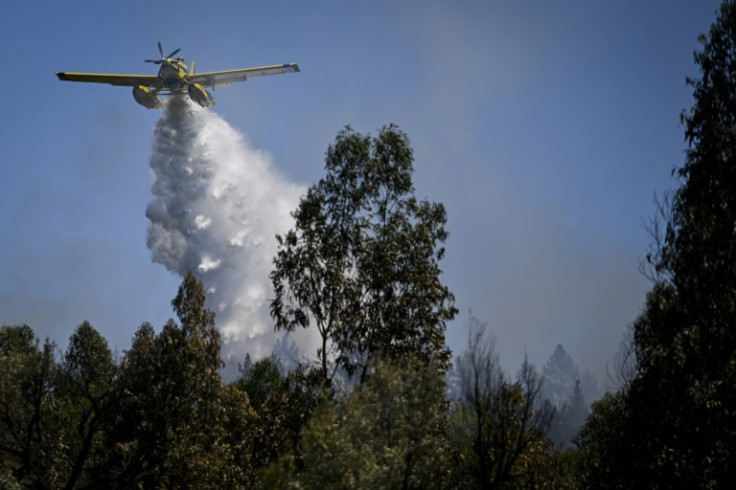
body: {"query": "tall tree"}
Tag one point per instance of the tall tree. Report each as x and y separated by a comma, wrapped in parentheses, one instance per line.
(498, 426)
(179, 426)
(601, 443)
(560, 376)
(681, 425)
(30, 422)
(562, 386)
(90, 402)
(362, 263)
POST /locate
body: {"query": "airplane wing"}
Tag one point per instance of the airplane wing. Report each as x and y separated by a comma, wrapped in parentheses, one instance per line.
(214, 78)
(127, 80)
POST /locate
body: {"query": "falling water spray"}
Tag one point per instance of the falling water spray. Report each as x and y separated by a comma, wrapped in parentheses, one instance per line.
(217, 207)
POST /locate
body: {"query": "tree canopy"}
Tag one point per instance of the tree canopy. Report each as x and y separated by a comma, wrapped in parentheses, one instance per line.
(362, 262)
(676, 414)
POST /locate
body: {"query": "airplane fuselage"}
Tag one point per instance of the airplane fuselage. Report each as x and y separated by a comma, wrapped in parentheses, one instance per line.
(172, 74)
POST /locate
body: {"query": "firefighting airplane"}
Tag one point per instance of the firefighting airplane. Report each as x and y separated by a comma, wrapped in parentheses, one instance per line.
(175, 78)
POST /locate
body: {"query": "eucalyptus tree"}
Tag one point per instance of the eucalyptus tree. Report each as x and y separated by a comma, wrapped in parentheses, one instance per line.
(677, 416)
(361, 264)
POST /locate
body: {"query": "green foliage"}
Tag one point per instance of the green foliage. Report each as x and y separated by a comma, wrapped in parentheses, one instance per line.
(53, 416)
(238, 421)
(361, 264)
(260, 381)
(602, 443)
(282, 407)
(19, 339)
(89, 396)
(498, 426)
(30, 425)
(7, 480)
(679, 422)
(170, 429)
(386, 434)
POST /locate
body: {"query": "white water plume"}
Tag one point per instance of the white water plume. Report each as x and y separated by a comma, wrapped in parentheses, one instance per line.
(217, 207)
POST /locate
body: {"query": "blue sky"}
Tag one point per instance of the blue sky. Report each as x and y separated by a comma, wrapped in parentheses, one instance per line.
(544, 127)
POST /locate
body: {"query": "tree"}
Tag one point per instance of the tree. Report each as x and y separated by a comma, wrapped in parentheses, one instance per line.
(562, 386)
(179, 426)
(362, 263)
(568, 419)
(90, 400)
(283, 405)
(498, 426)
(18, 339)
(680, 405)
(560, 376)
(601, 444)
(30, 425)
(260, 380)
(624, 361)
(388, 433)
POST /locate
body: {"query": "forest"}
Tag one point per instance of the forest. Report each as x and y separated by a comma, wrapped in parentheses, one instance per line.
(386, 404)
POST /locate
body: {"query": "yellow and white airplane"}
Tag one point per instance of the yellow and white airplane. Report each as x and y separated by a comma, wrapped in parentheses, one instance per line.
(175, 78)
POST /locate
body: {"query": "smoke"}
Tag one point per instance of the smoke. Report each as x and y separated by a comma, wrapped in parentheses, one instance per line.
(217, 207)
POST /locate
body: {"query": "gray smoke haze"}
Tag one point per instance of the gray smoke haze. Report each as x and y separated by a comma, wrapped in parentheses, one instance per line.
(217, 207)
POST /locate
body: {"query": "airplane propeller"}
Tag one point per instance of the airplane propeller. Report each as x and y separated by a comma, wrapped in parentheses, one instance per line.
(163, 59)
